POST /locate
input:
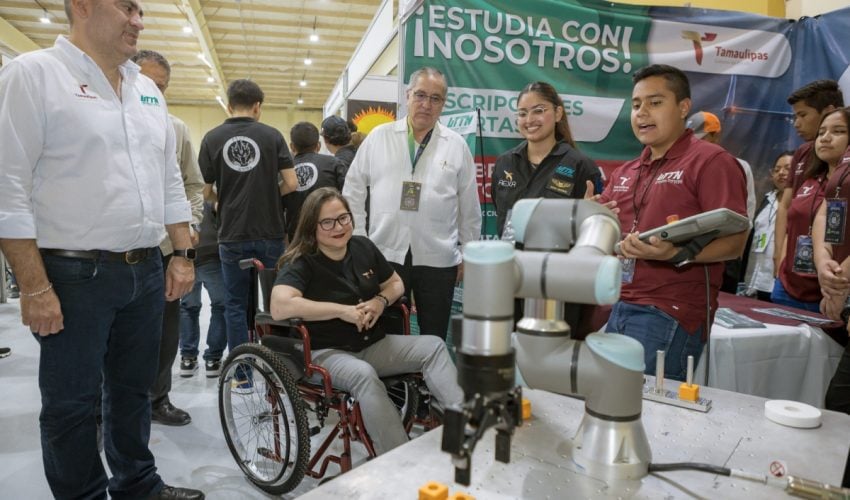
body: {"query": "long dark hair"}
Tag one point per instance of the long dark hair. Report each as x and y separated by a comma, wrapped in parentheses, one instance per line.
(549, 94)
(304, 242)
(816, 166)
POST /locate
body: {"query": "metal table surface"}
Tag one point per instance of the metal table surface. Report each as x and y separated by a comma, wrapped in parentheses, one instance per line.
(734, 434)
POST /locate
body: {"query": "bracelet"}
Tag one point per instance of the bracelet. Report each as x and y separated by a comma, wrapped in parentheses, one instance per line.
(384, 299)
(40, 292)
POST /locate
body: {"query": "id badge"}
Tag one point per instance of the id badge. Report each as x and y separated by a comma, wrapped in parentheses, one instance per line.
(760, 242)
(804, 262)
(628, 270)
(410, 192)
(836, 218)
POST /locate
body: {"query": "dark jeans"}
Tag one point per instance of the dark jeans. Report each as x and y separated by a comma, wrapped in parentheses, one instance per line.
(167, 347)
(838, 393)
(657, 331)
(432, 289)
(237, 281)
(112, 320)
(207, 275)
(780, 296)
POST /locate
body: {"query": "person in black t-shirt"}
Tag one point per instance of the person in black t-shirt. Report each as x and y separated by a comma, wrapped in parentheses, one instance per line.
(250, 166)
(337, 135)
(313, 171)
(545, 165)
(339, 285)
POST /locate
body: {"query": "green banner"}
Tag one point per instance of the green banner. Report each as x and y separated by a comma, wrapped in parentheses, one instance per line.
(489, 50)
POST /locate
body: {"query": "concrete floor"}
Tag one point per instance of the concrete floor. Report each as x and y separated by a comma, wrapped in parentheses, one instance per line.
(195, 455)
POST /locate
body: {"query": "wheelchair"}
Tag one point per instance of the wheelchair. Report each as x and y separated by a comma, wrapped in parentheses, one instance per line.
(267, 387)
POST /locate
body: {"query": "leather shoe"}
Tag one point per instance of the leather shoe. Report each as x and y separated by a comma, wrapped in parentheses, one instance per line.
(175, 493)
(167, 414)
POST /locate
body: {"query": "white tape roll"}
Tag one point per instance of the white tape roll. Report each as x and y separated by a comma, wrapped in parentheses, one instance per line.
(792, 413)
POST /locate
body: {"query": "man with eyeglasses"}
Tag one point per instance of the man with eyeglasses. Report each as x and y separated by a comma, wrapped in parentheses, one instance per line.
(424, 199)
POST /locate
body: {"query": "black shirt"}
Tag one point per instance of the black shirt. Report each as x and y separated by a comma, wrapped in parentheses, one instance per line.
(357, 278)
(313, 171)
(562, 174)
(243, 157)
(346, 154)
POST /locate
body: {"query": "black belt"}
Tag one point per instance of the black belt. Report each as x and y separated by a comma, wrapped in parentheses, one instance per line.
(129, 257)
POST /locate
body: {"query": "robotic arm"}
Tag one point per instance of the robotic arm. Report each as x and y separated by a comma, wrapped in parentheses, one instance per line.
(567, 257)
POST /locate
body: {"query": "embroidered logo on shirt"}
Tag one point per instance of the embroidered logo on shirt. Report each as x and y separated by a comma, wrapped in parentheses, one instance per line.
(670, 177)
(241, 153)
(83, 94)
(508, 181)
(805, 191)
(368, 274)
(307, 174)
(621, 187)
(565, 171)
(560, 186)
(150, 100)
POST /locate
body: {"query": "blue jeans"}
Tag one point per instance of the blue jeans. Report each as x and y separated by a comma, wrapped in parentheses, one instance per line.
(207, 275)
(237, 281)
(112, 325)
(657, 331)
(780, 296)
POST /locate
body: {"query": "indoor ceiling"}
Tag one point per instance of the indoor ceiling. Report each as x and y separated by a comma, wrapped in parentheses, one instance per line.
(211, 42)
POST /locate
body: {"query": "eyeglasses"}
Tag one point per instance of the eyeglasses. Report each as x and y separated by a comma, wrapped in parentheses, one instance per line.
(535, 112)
(421, 97)
(330, 223)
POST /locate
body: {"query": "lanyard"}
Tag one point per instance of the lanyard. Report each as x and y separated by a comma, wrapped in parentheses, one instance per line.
(415, 153)
(638, 205)
(841, 180)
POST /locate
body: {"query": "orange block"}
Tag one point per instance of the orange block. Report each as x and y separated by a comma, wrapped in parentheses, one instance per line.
(432, 490)
(672, 218)
(461, 496)
(526, 409)
(688, 392)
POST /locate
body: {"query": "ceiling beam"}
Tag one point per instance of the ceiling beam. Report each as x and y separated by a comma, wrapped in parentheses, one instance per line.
(14, 39)
(195, 14)
(307, 14)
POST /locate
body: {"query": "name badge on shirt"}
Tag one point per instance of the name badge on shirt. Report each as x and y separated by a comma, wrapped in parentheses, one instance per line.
(804, 262)
(410, 192)
(760, 242)
(628, 270)
(836, 218)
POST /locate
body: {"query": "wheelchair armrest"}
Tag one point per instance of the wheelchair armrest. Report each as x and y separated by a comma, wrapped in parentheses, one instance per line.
(251, 263)
(264, 318)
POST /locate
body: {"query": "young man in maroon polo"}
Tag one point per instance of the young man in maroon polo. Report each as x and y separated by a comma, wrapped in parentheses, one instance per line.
(663, 299)
(809, 103)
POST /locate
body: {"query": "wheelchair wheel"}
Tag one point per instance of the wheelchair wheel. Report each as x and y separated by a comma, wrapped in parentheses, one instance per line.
(404, 393)
(263, 419)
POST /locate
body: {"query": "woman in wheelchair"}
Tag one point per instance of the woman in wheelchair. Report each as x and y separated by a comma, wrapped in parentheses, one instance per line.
(339, 285)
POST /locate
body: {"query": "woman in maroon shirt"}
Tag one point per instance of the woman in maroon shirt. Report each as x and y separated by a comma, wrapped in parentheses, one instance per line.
(797, 281)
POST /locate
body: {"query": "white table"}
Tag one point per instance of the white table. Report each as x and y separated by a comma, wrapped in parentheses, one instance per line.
(734, 433)
(777, 362)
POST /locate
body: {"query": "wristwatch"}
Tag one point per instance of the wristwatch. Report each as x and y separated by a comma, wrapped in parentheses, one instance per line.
(188, 254)
(845, 311)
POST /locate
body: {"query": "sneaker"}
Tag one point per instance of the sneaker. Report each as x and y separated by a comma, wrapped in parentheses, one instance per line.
(188, 366)
(5, 351)
(213, 367)
(242, 386)
(14, 292)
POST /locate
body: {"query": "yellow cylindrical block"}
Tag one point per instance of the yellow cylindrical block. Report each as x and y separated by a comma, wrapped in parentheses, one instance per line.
(432, 490)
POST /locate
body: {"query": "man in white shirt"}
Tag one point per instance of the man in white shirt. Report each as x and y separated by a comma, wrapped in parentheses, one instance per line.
(424, 199)
(90, 186)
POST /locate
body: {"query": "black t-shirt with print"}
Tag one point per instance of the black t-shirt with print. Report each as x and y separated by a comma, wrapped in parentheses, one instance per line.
(562, 174)
(313, 171)
(243, 158)
(357, 278)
